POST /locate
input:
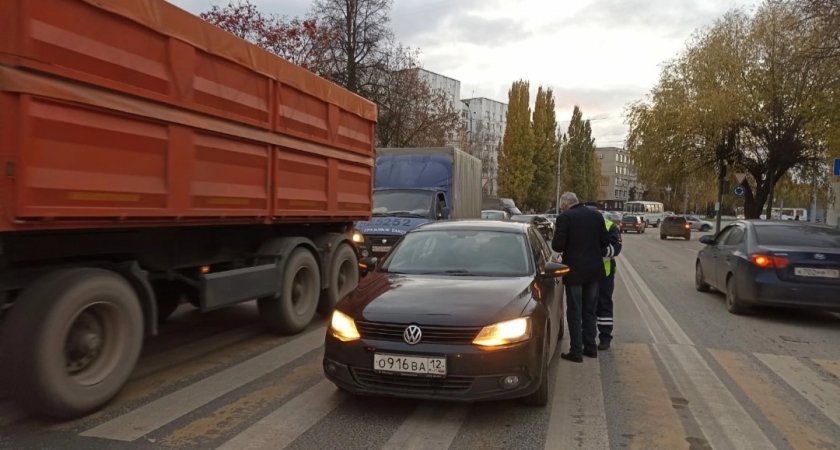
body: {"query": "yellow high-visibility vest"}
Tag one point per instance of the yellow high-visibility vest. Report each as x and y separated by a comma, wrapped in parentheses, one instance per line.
(608, 261)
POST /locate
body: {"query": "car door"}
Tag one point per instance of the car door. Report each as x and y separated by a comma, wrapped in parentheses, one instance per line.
(726, 258)
(551, 288)
(709, 257)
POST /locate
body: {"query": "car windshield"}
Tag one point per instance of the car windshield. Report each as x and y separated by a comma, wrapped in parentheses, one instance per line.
(409, 203)
(461, 253)
(797, 236)
(629, 218)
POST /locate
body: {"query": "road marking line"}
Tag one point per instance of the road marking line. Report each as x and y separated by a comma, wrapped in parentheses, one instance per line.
(164, 410)
(577, 418)
(183, 353)
(810, 384)
(679, 336)
(774, 403)
(280, 428)
(230, 416)
(656, 332)
(724, 422)
(650, 415)
(432, 425)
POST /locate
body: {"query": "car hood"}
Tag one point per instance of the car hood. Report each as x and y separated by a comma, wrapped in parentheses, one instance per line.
(397, 226)
(438, 300)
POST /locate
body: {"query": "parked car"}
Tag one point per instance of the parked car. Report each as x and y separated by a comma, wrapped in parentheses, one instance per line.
(772, 263)
(443, 317)
(633, 223)
(494, 214)
(540, 223)
(699, 224)
(675, 226)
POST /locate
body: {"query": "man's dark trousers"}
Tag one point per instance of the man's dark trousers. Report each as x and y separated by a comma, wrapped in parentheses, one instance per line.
(604, 312)
(581, 303)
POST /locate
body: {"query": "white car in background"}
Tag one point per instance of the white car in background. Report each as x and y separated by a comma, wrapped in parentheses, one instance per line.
(699, 224)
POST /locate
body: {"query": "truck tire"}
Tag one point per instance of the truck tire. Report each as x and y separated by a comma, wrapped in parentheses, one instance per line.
(73, 338)
(294, 307)
(344, 277)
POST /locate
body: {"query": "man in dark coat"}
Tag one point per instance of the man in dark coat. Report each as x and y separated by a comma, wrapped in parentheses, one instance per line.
(582, 239)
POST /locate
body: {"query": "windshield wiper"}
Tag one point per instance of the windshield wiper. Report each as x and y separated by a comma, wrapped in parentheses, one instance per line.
(457, 272)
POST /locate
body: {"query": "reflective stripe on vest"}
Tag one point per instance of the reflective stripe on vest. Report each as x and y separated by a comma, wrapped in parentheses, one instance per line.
(608, 261)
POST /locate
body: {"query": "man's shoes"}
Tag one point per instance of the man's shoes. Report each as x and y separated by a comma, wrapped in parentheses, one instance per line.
(604, 345)
(571, 357)
(592, 353)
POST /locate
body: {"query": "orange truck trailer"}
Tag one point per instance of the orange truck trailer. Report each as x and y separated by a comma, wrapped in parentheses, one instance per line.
(148, 158)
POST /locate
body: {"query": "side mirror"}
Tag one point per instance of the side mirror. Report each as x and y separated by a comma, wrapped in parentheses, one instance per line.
(367, 265)
(555, 270)
(708, 240)
(444, 213)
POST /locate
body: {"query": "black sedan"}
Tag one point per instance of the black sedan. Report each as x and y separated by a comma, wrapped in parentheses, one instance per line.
(772, 263)
(540, 223)
(468, 310)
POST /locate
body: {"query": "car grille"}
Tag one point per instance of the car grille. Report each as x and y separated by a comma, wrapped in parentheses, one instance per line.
(396, 383)
(382, 240)
(430, 334)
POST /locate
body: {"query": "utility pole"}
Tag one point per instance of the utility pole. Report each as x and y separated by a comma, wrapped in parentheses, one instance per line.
(557, 200)
(721, 187)
(685, 200)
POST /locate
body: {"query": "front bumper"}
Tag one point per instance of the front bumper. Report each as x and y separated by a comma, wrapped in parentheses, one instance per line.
(473, 374)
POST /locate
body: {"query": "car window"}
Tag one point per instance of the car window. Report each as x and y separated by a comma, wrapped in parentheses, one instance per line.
(724, 234)
(735, 237)
(537, 248)
(463, 252)
(798, 235)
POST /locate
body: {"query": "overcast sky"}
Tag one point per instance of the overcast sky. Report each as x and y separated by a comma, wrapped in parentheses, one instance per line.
(599, 54)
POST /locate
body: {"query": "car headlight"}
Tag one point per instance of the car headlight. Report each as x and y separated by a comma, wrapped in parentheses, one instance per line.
(343, 327)
(504, 333)
(358, 237)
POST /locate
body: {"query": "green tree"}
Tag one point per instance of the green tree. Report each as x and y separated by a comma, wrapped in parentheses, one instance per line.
(747, 94)
(580, 170)
(516, 160)
(546, 145)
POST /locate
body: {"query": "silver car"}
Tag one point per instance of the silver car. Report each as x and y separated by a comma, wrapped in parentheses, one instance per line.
(699, 224)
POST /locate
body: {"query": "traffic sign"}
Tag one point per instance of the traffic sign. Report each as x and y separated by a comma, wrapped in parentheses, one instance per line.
(740, 177)
(837, 167)
(739, 191)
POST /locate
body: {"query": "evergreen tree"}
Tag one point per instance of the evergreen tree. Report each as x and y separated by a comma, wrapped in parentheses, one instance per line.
(578, 160)
(516, 160)
(546, 145)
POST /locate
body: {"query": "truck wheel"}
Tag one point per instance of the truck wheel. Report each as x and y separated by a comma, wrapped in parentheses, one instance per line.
(344, 273)
(73, 339)
(293, 309)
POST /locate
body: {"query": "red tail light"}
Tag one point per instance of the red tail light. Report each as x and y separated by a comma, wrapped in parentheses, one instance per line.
(687, 226)
(768, 261)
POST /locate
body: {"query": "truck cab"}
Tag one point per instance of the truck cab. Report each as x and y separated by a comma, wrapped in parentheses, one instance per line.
(416, 186)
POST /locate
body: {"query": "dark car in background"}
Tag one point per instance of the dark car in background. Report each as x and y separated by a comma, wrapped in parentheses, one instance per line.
(675, 226)
(772, 263)
(540, 223)
(632, 223)
(466, 310)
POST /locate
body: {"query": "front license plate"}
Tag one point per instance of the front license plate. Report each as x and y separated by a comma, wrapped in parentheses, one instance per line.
(381, 248)
(816, 273)
(430, 366)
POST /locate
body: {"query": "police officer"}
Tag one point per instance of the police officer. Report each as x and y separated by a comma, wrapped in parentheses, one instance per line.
(606, 286)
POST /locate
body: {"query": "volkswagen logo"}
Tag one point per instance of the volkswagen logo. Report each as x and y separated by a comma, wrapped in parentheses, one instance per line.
(412, 334)
(819, 256)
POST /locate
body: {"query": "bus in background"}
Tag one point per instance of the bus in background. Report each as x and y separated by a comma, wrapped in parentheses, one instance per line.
(611, 205)
(788, 214)
(651, 212)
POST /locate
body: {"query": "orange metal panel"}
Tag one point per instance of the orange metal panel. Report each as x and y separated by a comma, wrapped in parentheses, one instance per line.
(139, 113)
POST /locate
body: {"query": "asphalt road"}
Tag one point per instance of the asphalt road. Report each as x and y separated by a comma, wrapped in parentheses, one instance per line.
(682, 373)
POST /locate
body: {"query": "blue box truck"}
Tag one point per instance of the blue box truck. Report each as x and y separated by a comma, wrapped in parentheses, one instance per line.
(413, 186)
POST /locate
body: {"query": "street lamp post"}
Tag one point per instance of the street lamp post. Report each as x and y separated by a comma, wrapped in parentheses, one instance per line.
(668, 193)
